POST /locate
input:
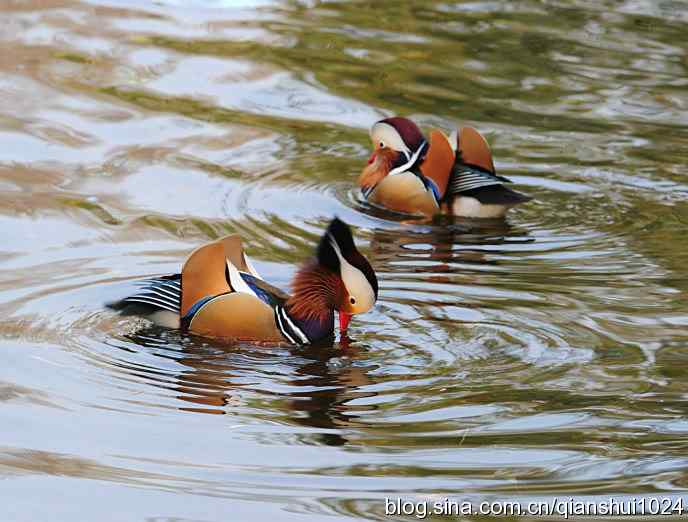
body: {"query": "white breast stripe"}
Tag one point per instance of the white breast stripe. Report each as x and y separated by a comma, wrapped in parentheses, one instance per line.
(294, 328)
(281, 327)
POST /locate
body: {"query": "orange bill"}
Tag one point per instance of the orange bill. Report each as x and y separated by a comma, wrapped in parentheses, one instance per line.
(439, 161)
(474, 149)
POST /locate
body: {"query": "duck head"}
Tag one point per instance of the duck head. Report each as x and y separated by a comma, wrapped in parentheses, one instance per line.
(398, 144)
(339, 278)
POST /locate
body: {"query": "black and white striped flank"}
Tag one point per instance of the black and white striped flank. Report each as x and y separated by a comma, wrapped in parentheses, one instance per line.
(164, 293)
(466, 178)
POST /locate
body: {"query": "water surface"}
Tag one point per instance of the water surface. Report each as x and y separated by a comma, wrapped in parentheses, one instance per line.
(542, 357)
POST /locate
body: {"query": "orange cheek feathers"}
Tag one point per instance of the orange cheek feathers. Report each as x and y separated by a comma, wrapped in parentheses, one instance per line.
(371, 175)
(377, 168)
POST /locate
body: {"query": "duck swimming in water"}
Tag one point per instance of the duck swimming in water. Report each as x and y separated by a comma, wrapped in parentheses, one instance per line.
(453, 175)
(220, 294)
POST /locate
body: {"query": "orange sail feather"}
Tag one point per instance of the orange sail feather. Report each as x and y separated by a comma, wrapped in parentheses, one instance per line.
(474, 149)
(438, 161)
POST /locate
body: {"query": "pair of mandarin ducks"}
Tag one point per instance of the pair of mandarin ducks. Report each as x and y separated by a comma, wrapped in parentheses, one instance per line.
(219, 293)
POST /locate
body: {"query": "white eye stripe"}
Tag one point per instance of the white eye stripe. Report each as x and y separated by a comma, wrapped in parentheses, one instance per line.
(385, 133)
(335, 246)
(355, 281)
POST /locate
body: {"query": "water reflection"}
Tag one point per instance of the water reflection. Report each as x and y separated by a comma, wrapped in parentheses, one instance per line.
(317, 382)
(337, 381)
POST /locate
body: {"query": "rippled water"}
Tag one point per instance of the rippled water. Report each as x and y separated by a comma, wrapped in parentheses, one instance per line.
(538, 358)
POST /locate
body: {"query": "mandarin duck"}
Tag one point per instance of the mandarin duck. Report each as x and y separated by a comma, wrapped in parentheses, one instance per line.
(453, 175)
(220, 294)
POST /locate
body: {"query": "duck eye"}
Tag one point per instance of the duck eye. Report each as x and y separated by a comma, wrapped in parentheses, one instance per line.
(382, 144)
(352, 300)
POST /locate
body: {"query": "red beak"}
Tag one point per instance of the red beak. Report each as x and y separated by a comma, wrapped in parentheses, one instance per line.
(344, 319)
(372, 158)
